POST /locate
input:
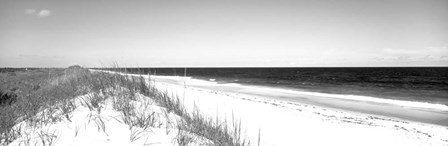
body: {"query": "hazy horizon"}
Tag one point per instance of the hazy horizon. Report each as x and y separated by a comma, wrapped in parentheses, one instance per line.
(227, 33)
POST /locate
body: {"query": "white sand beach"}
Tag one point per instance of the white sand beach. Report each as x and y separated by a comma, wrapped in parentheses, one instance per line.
(285, 122)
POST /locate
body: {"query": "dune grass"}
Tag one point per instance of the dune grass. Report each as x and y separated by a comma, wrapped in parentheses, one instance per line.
(214, 130)
(46, 96)
(34, 93)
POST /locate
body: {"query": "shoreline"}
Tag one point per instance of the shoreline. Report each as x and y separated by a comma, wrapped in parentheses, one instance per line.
(406, 110)
(436, 96)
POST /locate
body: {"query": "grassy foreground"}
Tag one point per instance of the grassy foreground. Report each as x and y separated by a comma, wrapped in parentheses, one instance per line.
(45, 96)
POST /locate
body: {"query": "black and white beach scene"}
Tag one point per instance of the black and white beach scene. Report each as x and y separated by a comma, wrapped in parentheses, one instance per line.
(223, 72)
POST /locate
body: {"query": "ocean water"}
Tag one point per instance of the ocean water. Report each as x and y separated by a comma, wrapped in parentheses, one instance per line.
(422, 84)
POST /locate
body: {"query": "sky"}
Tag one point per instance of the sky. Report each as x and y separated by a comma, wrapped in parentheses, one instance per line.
(223, 33)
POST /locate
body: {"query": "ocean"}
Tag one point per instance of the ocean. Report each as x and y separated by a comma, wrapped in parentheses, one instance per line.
(421, 84)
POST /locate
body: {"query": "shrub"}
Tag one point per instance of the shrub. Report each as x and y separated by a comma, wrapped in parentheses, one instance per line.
(7, 98)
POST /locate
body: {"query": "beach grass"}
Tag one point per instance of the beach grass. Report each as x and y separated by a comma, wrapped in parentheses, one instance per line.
(46, 96)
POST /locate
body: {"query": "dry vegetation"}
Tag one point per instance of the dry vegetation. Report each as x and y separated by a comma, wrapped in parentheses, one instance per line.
(45, 96)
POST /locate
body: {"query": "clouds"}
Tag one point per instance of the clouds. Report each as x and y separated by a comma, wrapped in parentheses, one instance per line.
(44, 13)
(413, 53)
(428, 56)
(38, 13)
